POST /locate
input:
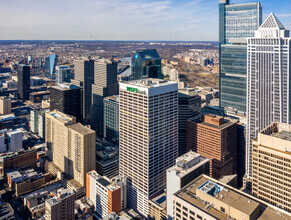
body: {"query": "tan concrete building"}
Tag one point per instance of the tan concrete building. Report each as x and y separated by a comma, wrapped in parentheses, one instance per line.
(70, 145)
(61, 206)
(207, 198)
(271, 162)
(5, 106)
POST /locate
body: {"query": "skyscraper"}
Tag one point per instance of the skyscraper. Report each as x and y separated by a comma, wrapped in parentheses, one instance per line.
(189, 107)
(63, 74)
(84, 77)
(148, 137)
(215, 138)
(271, 179)
(111, 118)
(23, 83)
(70, 145)
(268, 80)
(146, 64)
(236, 23)
(105, 84)
(50, 63)
(67, 98)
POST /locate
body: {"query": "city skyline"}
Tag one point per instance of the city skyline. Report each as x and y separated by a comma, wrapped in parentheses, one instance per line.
(168, 20)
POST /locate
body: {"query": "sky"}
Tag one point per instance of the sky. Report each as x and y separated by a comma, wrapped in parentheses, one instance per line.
(168, 20)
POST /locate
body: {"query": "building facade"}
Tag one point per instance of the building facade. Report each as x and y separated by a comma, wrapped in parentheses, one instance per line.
(50, 64)
(67, 98)
(146, 64)
(107, 195)
(70, 145)
(105, 84)
(63, 74)
(23, 83)
(187, 168)
(148, 137)
(189, 107)
(84, 77)
(215, 138)
(111, 118)
(271, 176)
(5, 106)
(268, 80)
(236, 23)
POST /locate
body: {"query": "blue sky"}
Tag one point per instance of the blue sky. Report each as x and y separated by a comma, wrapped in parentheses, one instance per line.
(187, 20)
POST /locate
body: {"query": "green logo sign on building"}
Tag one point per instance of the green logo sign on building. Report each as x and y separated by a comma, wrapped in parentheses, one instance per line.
(130, 89)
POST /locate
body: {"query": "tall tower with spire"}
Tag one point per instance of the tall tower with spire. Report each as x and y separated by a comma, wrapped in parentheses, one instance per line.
(268, 80)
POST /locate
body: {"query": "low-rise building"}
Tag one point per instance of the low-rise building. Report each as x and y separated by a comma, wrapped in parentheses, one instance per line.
(207, 198)
(158, 207)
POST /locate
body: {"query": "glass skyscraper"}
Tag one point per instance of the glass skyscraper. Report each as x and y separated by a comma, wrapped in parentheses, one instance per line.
(63, 74)
(50, 63)
(146, 64)
(236, 23)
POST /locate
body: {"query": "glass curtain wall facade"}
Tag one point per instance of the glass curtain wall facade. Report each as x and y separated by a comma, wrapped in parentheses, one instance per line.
(236, 22)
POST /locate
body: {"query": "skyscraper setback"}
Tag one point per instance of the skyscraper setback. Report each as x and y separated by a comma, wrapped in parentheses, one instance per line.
(148, 137)
(236, 22)
(268, 80)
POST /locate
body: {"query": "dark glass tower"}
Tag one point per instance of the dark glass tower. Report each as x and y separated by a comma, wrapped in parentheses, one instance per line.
(67, 98)
(23, 84)
(111, 118)
(236, 23)
(146, 64)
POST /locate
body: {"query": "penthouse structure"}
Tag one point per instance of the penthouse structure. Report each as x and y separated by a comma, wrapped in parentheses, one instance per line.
(215, 138)
(187, 167)
(206, 198)
(107, 195)
(70, 145)
(271, 176)
(148, 137)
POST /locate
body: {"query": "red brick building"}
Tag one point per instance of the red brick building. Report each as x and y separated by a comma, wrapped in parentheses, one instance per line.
(215, 138)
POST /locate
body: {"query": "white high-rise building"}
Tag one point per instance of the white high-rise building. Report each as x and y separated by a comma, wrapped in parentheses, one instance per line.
(148, 138)
(268, 82)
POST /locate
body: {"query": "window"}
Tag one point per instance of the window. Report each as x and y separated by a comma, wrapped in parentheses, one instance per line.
(199, 217)
(192, 213)
(185, 208)
(222, 209)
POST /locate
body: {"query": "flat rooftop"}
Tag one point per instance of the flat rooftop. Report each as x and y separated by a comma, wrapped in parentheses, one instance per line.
(285, 135)
(160, 200)
(65, 86)
(226, 123)
(149, 83)
(60, 116)
(81, 129)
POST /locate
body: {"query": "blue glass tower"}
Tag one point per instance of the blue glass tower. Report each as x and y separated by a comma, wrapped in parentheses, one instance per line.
(50, 63)
(146, 64)
(236, 23)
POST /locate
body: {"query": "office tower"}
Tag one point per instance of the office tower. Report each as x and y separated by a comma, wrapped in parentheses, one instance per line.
(146, 64)
(23, 83)
(105, 84)
(207, 198)
(236, 23)
(5, 106)
(148, 137)
(84, 77)
(268, 80)
(67, 98)
(271, 179)
(63, 74)
(189, 107)
(60, 206)
(50, 64)
(215, 138)
(111, 118)
(107, 195)
(10, 140)
(187, 168)
(70, 145)
(241, 153)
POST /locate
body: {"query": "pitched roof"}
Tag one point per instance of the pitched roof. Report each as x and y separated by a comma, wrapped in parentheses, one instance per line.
(272, 22)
